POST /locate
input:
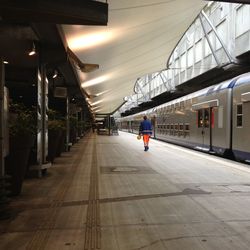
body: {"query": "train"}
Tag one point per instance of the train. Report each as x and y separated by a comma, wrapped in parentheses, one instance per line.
(214, 120)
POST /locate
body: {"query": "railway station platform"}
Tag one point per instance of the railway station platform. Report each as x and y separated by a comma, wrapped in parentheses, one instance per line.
(107, 193)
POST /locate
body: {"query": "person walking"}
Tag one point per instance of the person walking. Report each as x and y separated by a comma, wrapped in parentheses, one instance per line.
(145, 130)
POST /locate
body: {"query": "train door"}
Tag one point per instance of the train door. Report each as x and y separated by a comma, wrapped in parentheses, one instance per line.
(205, 127)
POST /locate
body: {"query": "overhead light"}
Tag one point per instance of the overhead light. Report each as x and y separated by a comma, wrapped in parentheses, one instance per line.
(97, 107)
(90, 40)
(55, 74)
(33, 50)
(101, 93)
(94, 81)
(94, 103)
(5, 62)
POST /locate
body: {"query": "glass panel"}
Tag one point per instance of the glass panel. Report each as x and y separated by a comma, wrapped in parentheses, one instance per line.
(198, 51)
(222, 32)
(239, 115)
(187, 127)
(190, 57)
(239, 109)
(239, 121)
(242, 19)
(206, 118)
(200, 118)
(183, 62)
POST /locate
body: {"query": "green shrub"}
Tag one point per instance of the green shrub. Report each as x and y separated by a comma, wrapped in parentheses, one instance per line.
(22, 120)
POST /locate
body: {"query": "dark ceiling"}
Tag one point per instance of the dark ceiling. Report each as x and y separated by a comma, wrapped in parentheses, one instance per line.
(37, 22)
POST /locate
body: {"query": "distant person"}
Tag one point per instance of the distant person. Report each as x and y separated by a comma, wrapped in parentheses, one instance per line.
(145, 130)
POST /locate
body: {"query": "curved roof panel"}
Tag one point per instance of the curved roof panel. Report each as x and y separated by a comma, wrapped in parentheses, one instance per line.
(138, 40)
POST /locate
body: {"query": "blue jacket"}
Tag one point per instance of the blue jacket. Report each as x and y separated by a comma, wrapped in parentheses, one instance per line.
(145, 128)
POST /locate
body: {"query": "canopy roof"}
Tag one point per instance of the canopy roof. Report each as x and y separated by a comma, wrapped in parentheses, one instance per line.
(139, 38)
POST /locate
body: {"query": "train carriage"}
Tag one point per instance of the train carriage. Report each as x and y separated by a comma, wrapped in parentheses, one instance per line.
(241, 118)
(215, 119)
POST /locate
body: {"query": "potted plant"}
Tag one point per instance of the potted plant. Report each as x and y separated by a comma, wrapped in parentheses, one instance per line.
(81, 128)
(56, 126)
(73, 123)
(62, 140)
(22, 129)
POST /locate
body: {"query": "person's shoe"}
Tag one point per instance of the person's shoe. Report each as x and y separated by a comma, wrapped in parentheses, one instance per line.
(145, 148)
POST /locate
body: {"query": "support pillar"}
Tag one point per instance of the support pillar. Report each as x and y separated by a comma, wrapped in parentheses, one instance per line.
(81, 120)
(4, 213)
(42, 122)
(67, 124)
(109, 124)
(44, 117)
(1, 118)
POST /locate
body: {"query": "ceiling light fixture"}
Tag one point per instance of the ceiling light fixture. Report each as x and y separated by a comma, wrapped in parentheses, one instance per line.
(94, 103)
(101, 93)
(94, 81)
(90, 40)
(33, 50)
(97, 107)
(55, 74)
(5, 62)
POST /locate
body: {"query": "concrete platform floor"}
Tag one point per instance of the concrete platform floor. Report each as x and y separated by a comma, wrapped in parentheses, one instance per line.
(107, 193)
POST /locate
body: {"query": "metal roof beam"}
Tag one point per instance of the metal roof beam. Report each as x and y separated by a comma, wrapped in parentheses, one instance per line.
(57, 11)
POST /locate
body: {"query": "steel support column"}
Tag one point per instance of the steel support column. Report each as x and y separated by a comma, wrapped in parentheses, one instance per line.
(230, 58)
(67, 124)
(1, 118)
(209, 42)
(109, 124)
(44, 106)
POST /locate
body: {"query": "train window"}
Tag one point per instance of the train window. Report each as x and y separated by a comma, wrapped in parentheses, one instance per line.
(203, 118)
(206, 118)
(187, 127)
(200, 118)
(186, 130)
(168, 126)
(181, 127)
(239, 115)
(176, 127)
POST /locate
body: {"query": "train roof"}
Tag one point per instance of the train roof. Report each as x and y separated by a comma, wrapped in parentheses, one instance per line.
(242, 79)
